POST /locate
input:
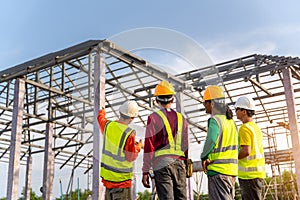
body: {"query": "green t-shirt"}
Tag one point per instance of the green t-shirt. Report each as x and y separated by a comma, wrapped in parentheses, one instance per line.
(210, 142)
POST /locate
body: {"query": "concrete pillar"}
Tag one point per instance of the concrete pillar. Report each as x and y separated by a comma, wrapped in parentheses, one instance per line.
(28, 178)
(48, 173)
(134, 184)
(99, 101)
(180, 108)
(16, 136)
(293, 120)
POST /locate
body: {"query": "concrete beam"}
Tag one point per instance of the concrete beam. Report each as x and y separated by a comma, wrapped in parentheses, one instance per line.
(16, 136)
(99, 101)
(48, 174)
(180, 108)
(293, 121)
(28, 178)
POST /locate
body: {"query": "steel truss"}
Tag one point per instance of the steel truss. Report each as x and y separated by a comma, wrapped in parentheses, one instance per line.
(59, 99)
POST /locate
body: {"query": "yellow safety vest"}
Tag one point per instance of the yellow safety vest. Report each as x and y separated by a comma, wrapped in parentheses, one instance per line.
(174, 148)
(114, 166)
(224, 157)
(253, 166)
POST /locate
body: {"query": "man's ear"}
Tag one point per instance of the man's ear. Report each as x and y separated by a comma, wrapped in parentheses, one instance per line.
(172, 101)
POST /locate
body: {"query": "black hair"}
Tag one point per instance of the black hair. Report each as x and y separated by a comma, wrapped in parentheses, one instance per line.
(223, 108)
(229, 113)
(164, 99)
(250, 113)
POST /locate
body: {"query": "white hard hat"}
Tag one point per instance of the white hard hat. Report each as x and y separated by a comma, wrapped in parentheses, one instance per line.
(129, 108)
(245, 102)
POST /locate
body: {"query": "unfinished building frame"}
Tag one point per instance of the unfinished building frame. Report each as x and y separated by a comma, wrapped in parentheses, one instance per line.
(49, 106)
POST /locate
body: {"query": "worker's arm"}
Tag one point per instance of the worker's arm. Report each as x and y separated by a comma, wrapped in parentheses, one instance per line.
(211, 138)
(147, 161)
(210, 142)
(149, 147)
(132, 148)
(245, 141)
(245, 151)
(102, 119)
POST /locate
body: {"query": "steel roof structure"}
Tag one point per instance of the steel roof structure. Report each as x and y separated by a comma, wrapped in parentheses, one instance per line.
(49, 105)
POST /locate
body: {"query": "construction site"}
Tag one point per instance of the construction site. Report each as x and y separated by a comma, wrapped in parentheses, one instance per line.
(49, 107)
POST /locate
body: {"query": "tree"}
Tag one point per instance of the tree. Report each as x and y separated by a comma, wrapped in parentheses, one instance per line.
(74, 195)
(238, 195)
(286, 186)
(146, 195)
(33, 195)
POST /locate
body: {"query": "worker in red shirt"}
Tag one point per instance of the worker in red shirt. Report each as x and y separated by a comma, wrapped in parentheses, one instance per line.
(166, 147)
(119, 151)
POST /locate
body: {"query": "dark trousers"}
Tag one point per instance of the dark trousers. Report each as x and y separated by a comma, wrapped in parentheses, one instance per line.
(118, 194)
(170, 181)
(251, 189)
(221, 187)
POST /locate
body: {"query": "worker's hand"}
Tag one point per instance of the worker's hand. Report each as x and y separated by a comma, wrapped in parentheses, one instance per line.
(145, 181)
(205, 163)
(141, 143)
(102, 109)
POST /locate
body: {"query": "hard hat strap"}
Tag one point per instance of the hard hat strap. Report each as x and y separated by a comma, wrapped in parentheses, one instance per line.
(164, 99)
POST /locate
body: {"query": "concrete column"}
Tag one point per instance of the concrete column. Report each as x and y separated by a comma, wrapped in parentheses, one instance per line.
(293, 120)
(28, 178)
(48, 173)
(134, 184)
(180, 108)
(99, 101)
(16, 136)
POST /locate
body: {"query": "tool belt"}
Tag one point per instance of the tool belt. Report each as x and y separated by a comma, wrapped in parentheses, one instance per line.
(189, 167)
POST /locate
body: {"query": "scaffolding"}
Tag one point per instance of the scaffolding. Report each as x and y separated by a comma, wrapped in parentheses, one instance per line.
(49, 106)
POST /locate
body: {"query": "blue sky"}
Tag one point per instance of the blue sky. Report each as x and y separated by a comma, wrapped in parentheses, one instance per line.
(225, 29)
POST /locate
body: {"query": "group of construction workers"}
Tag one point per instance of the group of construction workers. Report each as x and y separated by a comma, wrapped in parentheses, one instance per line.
(227, 153)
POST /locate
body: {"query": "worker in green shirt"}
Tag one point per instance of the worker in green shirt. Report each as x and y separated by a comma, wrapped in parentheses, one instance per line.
(220, 152)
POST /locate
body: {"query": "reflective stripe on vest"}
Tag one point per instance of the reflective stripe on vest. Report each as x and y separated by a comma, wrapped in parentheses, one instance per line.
(175, 148)
(253, 166)
(252, 169)
(253, 157)
(224, 157)
(114, 166)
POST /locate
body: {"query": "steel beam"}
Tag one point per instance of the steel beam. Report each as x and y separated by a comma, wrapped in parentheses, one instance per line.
(141, 64)
(16, 136)
(48, 60)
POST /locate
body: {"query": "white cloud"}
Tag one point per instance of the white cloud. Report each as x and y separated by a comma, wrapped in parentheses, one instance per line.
(279, 40)
(224, 51)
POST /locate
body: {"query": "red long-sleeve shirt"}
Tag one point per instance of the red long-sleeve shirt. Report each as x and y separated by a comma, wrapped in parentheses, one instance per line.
(156, 137)
(131, 151)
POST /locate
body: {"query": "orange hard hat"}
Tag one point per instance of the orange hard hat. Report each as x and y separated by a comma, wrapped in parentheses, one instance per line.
(213, 92)
(164, 88)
